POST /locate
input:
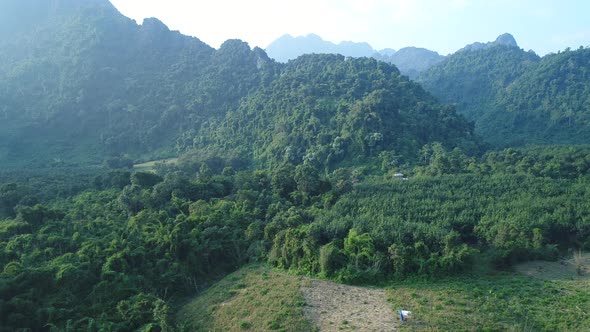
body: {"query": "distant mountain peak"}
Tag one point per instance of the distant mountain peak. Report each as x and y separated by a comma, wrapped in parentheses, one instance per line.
(409, 60)
(154, 24)
(505, 39)
(288, 47)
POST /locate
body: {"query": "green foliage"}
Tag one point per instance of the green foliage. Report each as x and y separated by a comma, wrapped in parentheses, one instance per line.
(280, 163)
(500, 302)
(516, 98)
(472, 78)
(138, 243)
(96, 78)
(326, 110)
(548, 104)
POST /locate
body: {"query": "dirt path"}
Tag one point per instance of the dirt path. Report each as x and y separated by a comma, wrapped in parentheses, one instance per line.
(336, 307)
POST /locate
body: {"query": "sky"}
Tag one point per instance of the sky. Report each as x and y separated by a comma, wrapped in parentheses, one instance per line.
(441, 25)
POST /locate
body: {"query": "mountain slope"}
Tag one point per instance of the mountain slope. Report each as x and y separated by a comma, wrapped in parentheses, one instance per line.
(505, 39)
(548, 104)
(86, 81)
(330, 109)
(515, 97)
(472, 79)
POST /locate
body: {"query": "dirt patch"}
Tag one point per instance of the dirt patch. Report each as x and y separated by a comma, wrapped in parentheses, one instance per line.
(563, 269)
(336, 307)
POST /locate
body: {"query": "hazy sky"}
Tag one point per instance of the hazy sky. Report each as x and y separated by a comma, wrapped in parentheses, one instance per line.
(441, 25)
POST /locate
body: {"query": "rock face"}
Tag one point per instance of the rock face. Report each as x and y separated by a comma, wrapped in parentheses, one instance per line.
(503, 39)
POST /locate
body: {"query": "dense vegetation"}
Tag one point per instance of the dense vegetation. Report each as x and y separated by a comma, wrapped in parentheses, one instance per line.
(137, 243)
(473, 78)
(81, 83)
(515, 97)
(327, 109)
(293, 165)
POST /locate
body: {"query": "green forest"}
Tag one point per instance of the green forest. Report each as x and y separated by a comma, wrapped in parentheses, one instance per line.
(118, 250)
(516, 98)
(326, 166)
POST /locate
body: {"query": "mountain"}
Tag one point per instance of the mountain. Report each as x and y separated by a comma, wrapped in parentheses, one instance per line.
(292, 165)
(515, 97)
(288, 47)
(410, 60)
(332, 109)
(81, 83)
(471, 79)
(548, 104)
(505, 39)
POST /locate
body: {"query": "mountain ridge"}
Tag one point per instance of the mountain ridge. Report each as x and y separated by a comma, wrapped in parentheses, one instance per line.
(515, 97)
(96, 85)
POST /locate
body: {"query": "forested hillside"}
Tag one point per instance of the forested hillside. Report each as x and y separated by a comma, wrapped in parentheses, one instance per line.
(294, 166)
(86, 84)
(515, 97)
(80, 82)
(550, 103)
(472, 79)
(326, 109)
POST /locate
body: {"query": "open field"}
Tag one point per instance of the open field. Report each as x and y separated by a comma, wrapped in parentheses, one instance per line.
(253, 298)
(564, 269)
(538, 296)
(337, 307)
(260, 299)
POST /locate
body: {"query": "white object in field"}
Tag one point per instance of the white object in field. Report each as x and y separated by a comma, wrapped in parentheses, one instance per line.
(404, 314)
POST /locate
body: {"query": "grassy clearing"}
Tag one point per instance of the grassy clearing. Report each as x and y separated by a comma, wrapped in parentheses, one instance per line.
(254, 298)
(502, 302)
(576, 267)
(554, 298)
(151, 165)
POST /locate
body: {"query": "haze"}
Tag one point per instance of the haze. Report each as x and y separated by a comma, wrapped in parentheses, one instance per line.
(444, 26)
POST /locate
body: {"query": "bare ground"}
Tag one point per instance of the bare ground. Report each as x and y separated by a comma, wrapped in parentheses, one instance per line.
(335, 307)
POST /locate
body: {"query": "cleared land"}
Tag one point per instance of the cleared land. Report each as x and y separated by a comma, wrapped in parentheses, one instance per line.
(337, 307)
(253, 298)
(537, 296)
